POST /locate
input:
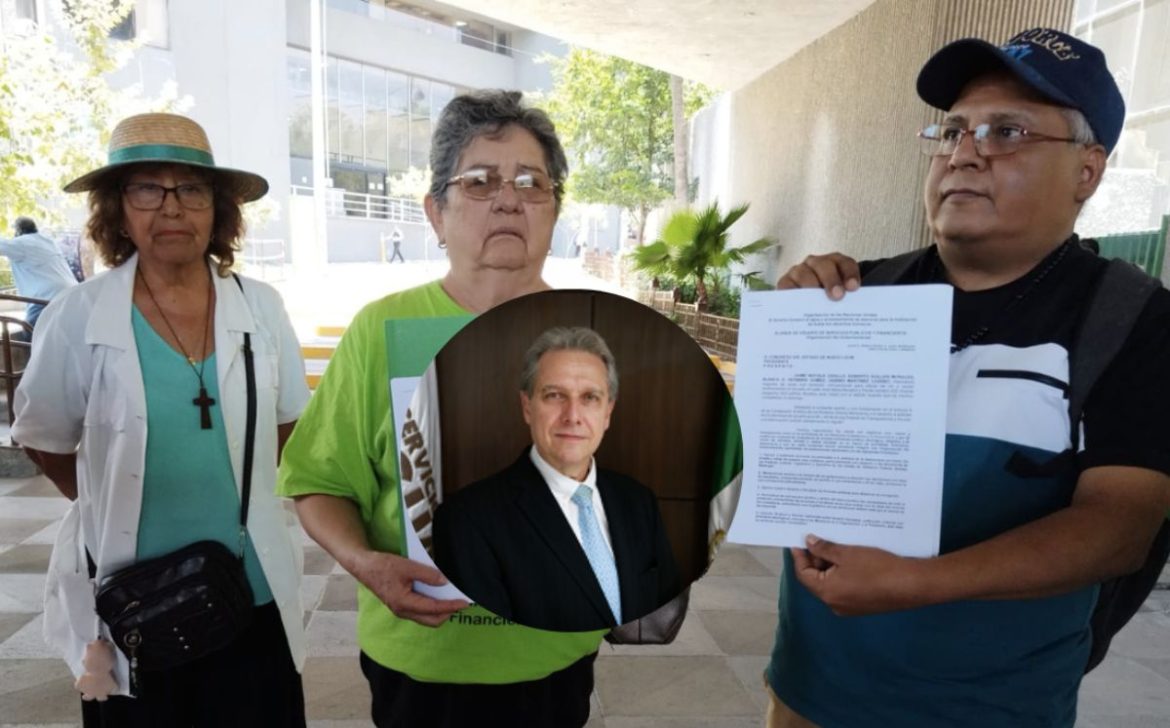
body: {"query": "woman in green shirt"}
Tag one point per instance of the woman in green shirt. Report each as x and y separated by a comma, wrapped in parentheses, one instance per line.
(498, 172)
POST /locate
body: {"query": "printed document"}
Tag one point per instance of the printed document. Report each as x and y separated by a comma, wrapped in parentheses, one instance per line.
(843, 411)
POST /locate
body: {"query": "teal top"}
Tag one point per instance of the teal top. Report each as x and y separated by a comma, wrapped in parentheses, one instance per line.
(188, 490)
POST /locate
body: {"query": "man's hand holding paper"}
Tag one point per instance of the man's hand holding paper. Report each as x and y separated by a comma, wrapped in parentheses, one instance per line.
(842, 404)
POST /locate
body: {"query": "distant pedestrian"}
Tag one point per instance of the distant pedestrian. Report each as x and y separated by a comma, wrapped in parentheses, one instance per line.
(38, 266)
(396, 238)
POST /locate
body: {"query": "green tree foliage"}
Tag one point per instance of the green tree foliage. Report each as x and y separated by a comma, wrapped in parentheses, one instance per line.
(694, 247)
(614, 117)
(57, 108)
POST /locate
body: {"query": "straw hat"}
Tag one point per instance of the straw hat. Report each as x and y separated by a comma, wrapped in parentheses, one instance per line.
(167, 139)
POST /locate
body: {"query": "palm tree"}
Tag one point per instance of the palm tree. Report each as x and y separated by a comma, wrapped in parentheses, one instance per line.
(694, 245)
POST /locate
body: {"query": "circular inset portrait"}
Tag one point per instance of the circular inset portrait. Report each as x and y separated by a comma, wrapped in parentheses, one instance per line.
(561, 458)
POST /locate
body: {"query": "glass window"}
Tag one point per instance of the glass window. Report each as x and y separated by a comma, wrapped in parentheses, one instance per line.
(1115, 36)
(397, 91)
(478, 34)
(398, 133)
(332, 119)
(375, 119)
(348, 179)
(420, 97)
(441, 95)
(351, 133)
(1157, 136)
(420, 142)
(503, 42)
(375, 95)
(300, 109)
(301, 171)
(1151, 82)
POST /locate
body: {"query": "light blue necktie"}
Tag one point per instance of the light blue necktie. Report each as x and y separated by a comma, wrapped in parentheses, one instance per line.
(596, 551)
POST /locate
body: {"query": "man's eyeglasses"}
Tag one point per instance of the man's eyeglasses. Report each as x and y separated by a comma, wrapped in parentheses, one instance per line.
(485, 184)
(991, 140)
(149, 196)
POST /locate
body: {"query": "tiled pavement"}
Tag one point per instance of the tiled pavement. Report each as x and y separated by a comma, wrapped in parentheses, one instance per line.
(710, 676)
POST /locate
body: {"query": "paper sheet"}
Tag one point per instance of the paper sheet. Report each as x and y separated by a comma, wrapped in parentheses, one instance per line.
(843, 410)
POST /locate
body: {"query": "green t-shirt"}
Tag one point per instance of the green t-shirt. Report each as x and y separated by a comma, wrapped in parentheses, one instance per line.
(188, 488)
(344, 446)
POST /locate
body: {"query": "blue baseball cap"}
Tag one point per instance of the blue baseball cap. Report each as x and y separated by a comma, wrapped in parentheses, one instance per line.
(1065, 70)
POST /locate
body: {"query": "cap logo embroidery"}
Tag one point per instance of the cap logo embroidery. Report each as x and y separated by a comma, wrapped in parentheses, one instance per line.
(1017, 51)
(1045, 39)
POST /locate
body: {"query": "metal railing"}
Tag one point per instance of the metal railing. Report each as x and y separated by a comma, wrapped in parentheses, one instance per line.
(15, 334)
(264, 258)
(1145, 249)
(343, 203)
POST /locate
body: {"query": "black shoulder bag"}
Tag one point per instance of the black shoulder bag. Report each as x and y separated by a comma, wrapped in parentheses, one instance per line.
(176, 608)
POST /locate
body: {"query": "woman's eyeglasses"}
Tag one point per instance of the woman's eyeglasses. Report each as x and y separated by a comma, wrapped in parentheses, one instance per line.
(485, 184)
(149, 196)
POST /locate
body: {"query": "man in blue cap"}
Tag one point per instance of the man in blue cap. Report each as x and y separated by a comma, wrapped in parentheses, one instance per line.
(1037, 511)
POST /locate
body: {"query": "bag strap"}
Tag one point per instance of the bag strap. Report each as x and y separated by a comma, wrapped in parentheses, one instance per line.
(1121, 295)
(250, 432)
(891, 270)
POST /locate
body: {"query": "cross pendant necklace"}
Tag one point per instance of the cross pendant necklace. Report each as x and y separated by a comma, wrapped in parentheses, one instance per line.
(203, 402)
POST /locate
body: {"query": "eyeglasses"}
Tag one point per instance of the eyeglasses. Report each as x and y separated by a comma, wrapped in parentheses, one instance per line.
(149, 196)
(991, 140)
(485, 184)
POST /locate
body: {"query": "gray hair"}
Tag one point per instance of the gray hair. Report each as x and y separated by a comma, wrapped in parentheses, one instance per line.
(563, 338)
(1078, 126)
(485, 113)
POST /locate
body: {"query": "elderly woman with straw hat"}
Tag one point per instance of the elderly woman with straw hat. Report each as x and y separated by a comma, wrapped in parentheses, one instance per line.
(158, 397)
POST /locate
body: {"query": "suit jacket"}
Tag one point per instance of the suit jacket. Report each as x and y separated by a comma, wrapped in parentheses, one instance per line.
(505, 543)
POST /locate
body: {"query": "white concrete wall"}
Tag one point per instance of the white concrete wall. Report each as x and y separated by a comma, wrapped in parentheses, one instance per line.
(823, 146)
(711, 149)
(229, 57)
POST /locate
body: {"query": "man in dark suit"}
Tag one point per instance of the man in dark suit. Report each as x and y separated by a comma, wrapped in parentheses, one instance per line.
(551, 541)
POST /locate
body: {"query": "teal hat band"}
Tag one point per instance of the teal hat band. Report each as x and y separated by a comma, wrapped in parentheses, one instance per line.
(157, 152)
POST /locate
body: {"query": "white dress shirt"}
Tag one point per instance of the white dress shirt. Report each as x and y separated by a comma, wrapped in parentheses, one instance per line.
(38, 266)
(563, 487)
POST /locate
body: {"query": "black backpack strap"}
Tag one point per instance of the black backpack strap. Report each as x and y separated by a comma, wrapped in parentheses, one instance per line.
(891, 270)
(1120, 298)
(1121, 295)
(250, 432)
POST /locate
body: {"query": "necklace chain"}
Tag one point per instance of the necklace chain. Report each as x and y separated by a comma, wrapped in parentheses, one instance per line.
(202, 401)
(981, 332)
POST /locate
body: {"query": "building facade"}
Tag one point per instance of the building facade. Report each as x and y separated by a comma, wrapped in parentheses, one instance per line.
(244, 70)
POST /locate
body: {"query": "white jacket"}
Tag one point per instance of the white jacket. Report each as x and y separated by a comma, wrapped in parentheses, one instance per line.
(83, 392)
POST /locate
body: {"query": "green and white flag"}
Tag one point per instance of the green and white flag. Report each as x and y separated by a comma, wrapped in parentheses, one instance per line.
(726, 480)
